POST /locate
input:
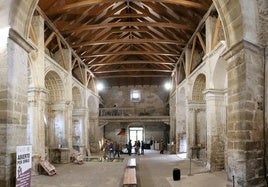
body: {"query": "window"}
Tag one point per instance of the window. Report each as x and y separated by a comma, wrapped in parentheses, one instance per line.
(135, 95)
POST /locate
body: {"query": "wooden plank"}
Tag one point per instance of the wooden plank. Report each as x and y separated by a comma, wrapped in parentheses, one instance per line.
(49, 168)
(82, 73)
(192, 55)
(137, 76)
(201, 41)
(130, 177)
(198, 28)
(49, 39)
(80, 28)
(128, 41)
(52, 27)
(61, 52)
(131, 162)
(133, 70)
(132, 62)
(216, 33)
(73, 63)
(130, 53)
(86, 3)
(32, 34)
(88, 78)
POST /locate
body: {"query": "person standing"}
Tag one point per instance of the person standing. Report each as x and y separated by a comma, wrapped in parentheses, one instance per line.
(162, 146)
(116, 111)
(142, 147)
(117, 149)
(138, 147)
(129, 148)
(105, 149)
(111, 150)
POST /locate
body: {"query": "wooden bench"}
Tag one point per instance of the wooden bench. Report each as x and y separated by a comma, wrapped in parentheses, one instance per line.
(131, 162)
(130, 177)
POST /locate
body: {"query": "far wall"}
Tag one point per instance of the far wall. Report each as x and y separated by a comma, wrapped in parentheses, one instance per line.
(153, 98)
(152, 131)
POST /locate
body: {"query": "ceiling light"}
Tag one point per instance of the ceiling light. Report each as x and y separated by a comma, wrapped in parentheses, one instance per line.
(167, 85)
(100, 86)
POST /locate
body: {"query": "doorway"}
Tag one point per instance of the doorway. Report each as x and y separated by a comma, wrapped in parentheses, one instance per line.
(135, 134)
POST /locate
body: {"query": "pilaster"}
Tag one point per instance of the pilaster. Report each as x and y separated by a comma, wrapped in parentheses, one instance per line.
(245, 125)
(216, 128)
(193, 108)
(13, 104)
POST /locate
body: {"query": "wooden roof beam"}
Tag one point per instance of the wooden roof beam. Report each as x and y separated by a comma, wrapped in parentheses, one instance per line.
(128, 41)
(135, 76)
(133, 62)
(130, 53)
(78, 28)
(86, 3)
(133, 70)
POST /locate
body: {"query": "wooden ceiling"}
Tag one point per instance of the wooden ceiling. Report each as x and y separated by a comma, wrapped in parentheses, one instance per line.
(126, 42)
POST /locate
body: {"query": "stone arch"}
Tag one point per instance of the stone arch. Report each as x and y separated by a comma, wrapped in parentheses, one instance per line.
(219, 76)
(55, 87)
(199, 87)
(238, 26)
(55, 130)
(17, 14)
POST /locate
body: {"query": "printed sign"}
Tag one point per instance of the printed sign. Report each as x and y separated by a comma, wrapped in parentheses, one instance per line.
(24, 166)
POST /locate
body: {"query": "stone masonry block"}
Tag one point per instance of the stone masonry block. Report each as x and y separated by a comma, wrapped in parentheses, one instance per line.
(243, 126)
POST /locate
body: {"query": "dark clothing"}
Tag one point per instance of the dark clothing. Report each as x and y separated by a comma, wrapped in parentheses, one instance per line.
(117, 150)
(142, 147)
(129, 147)
(111, 150)
(162, 147)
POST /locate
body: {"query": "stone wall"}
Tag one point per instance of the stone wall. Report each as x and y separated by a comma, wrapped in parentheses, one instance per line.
(245, 114)
(153, 98)
(13, 108)
(152, 131)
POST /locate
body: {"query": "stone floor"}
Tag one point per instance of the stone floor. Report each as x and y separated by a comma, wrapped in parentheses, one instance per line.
(153, 170)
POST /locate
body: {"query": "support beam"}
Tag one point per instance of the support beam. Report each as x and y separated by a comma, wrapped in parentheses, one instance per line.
(49, 39)
(61, 53)
(192, 55)
(201, 41)
(216, 32)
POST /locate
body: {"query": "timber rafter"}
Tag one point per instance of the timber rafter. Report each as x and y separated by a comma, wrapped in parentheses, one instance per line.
(111, 39)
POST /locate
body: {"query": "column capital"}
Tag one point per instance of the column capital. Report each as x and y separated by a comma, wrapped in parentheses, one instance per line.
(37, 90)
(243, 44)
(22, 42)
(196, 106)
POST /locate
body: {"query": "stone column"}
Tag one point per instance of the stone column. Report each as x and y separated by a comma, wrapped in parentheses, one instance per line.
(13, 102)
(195, 122)
(245, 125)
(60, 128)
(64, 58)
(36, 124)
(68, 123)
(190, 128)
(216, 125)
(79, 115)
(37, 96)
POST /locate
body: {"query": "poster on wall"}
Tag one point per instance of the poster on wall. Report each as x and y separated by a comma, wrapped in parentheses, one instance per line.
(23, 166)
